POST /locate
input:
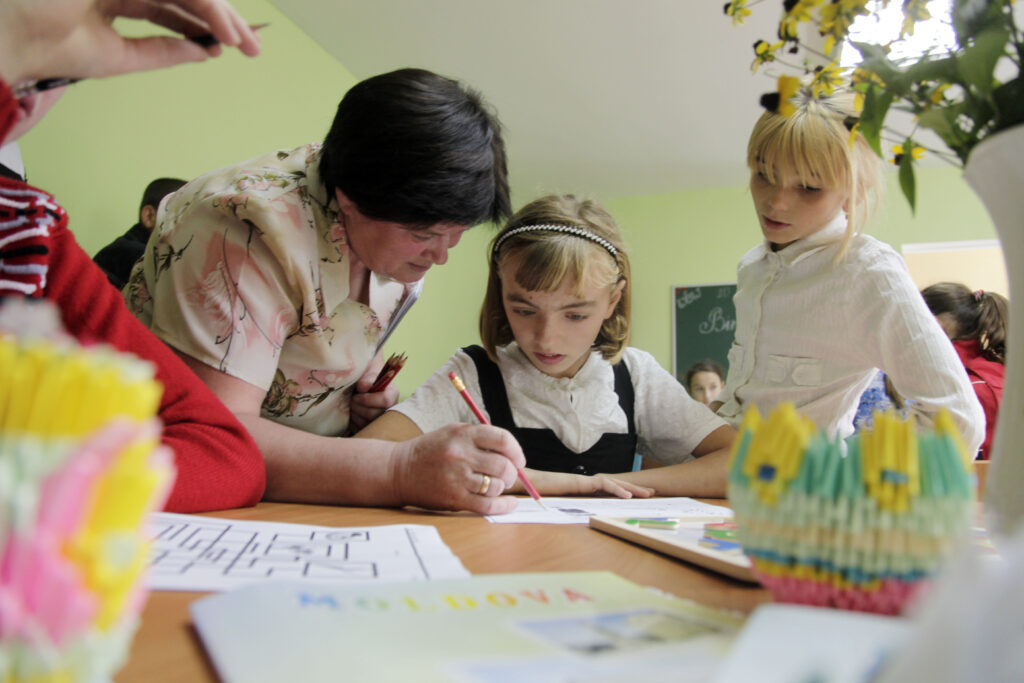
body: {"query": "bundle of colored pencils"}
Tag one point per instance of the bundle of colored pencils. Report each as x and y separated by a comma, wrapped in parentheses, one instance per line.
(387, 373)
(80, 467)
(861, 530)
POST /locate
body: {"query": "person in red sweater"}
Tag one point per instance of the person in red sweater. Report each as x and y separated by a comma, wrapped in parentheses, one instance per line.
(218, 463)
(976, 322)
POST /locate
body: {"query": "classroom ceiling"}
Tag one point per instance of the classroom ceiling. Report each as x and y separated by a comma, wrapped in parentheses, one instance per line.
(609, 98)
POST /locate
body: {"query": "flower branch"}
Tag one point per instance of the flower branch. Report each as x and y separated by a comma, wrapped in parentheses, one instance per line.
(953, 91)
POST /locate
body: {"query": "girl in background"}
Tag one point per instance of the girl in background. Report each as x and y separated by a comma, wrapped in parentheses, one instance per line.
(705, 380)
(821, 307)
(976, 322)
(555, 368)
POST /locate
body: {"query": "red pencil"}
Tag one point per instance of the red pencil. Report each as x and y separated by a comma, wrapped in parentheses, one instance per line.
(388, 372)
(461, 387)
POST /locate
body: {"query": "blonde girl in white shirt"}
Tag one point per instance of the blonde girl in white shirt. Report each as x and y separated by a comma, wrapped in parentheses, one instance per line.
(820, 306)
(555, 368)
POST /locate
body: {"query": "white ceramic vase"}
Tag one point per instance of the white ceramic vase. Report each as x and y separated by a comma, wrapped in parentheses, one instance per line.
(995, 171)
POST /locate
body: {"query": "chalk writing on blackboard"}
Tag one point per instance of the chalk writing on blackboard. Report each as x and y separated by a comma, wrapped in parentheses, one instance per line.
(687, 296)
(717, 321)
(703, 325)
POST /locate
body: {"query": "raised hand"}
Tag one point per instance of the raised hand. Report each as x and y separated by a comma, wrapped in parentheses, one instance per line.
(74, 38)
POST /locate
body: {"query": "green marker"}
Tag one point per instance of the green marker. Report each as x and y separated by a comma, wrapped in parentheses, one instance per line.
(655, 523)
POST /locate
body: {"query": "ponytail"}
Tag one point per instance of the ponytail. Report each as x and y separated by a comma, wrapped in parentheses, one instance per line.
(993, 320)
(979, 315)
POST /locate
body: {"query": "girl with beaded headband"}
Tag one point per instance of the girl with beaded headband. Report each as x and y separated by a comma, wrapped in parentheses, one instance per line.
(820, 306)
(556, 369)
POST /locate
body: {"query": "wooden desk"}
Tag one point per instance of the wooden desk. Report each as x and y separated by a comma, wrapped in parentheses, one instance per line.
(166, 648)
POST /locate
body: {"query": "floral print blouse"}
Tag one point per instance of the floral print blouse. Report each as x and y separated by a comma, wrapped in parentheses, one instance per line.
(247, 270)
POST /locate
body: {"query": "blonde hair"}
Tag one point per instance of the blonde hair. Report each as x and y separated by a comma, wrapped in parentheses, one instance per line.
(820, 145)
(545, 259)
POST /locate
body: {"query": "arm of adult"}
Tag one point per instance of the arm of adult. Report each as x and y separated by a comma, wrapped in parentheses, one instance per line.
(75, 39)
(442, 469)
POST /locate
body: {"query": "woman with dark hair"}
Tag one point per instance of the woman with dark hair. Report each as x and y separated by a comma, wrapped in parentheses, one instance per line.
(279, 279)
(976, 322)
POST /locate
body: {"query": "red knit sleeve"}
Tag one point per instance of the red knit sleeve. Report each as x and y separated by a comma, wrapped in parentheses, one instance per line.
(8, 110)
(989, 397)
(219, 465)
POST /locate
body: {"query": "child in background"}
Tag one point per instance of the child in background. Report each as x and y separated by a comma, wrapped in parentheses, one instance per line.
(976, 322)
(705, 380)
(556, 370)
(820, 307)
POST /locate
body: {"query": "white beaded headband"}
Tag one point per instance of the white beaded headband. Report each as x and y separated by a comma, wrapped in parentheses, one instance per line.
(567, 229)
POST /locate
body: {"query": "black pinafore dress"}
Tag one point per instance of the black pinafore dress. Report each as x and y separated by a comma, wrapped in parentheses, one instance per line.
(543, 450)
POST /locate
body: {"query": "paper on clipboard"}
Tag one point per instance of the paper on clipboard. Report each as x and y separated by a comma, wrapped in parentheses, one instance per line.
(683, 541)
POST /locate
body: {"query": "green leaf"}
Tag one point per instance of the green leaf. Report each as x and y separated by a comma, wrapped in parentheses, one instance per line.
(943, 70)
(971, 17)
(982, 115)
(907, 176)
(870, 50)
(876, 106)
(942, 120)
(977, 63)
(877, 61)
(1009, 101)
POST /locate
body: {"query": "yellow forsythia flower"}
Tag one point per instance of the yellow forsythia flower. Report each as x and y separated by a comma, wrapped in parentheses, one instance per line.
(737, 9)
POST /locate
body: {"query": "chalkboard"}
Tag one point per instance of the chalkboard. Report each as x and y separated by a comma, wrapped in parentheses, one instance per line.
(703, 324)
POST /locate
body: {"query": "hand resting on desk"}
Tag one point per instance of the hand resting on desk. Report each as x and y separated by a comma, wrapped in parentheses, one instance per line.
(565, 484)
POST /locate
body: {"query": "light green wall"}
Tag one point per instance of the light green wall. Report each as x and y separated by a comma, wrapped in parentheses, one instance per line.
(107, 139)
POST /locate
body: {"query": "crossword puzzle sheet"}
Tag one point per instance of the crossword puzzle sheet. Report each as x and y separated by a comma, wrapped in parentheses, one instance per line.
(194, 553)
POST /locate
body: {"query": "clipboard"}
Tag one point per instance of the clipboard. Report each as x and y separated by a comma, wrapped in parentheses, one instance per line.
(682, 542)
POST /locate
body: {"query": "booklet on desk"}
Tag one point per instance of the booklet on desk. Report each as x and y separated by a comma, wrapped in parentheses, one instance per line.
(501, 627)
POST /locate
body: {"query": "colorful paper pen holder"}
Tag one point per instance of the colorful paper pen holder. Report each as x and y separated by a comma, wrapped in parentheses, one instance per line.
(861, 524)
(81, 466)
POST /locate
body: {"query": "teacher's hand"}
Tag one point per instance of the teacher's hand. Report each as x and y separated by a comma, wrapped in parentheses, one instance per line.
(459, 467)
(75, 39)
(366, 406)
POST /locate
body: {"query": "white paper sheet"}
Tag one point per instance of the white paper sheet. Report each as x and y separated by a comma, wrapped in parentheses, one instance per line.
(194, 553)
(580, 510)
